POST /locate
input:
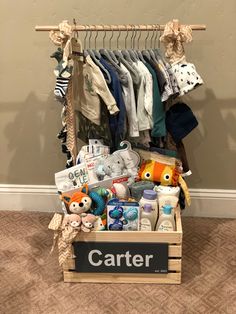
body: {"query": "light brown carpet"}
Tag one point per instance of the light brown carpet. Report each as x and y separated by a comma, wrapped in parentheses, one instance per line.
(31, 281)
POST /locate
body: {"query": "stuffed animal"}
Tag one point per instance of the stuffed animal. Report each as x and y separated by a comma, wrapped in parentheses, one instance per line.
(165, 174)
(131, 160)
(73, 220)
(88, 221)
(100, 224)
(109, 167)
(114, 166)
(97, 204)
(79, 202)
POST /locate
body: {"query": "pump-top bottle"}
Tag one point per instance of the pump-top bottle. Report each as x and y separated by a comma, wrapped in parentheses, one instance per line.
(166, 221)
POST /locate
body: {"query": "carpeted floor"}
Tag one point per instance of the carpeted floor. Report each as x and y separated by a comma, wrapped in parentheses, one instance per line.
(31, 281)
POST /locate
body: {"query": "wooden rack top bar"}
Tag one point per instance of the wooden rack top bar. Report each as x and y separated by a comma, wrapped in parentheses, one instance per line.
(148, 27)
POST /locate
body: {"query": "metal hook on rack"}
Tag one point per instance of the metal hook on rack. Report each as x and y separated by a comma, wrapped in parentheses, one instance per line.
(112, 32)
(126, 36)
(153, 32)
(118, 37)
(135, 34)
(105, 33)
(132, 35)
(95, 38)
(90, 35)
(147, 30)
(159, 31)
(156, 33)
(139, 27)
(85, 37)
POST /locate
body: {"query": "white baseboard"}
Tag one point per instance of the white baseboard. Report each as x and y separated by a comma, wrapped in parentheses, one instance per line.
(44, 198)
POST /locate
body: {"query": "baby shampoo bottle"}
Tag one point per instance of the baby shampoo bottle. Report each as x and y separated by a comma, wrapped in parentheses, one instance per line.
(150, 197)
(166, 221)
(148, 218)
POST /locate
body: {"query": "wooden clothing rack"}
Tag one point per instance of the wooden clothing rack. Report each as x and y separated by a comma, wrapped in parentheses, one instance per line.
(104, 28)
(121, 27)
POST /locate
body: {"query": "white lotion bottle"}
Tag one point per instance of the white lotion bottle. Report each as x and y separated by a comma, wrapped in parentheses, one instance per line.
(167, 200)
(166, 221)
(150, 197)
(148, 218)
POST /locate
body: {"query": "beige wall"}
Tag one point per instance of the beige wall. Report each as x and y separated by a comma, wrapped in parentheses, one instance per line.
(30, 117)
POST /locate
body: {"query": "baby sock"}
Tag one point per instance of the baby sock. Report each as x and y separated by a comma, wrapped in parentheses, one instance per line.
(61, 87)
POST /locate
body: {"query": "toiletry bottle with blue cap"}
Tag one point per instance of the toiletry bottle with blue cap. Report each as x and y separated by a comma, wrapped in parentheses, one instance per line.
(166, 221)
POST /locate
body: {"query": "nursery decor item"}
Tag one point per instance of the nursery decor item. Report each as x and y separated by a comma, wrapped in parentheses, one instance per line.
(64, 235)
(165, 174)
(109, 167)
(131, 159)
(79, 202)
(158, 172)
(88, 221)
(117, 253)
(73, 220)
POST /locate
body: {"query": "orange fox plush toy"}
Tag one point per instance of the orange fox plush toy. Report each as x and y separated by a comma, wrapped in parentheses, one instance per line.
(78, 202)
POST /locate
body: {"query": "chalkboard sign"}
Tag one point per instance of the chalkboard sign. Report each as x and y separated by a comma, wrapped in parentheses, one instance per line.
(117, 257)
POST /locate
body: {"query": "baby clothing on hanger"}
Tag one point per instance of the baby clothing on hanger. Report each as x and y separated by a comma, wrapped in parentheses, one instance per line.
(186, 76)
(117, 123)
(89, 130)
(144, 97)
(160, 76)
(171, 89)
(88, 86)
(130, 104)
(158, 112)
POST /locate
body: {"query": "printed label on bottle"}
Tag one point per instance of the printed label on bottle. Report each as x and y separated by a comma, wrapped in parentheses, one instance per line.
(145, 224)
(166, 225)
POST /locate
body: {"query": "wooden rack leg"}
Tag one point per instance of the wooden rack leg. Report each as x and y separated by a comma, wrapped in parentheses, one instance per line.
(71, 124)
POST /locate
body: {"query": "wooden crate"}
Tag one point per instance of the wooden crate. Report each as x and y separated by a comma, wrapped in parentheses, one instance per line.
(174, 239)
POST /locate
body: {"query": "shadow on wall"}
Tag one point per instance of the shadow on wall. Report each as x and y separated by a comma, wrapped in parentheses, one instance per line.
(36, 152)
(211, 148)
(33, 143)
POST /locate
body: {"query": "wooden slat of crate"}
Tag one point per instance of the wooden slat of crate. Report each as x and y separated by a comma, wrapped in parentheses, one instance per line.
(131, 236)
(170, 278)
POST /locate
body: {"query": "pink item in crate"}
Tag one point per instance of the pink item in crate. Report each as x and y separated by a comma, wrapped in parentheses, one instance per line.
(88, 221)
